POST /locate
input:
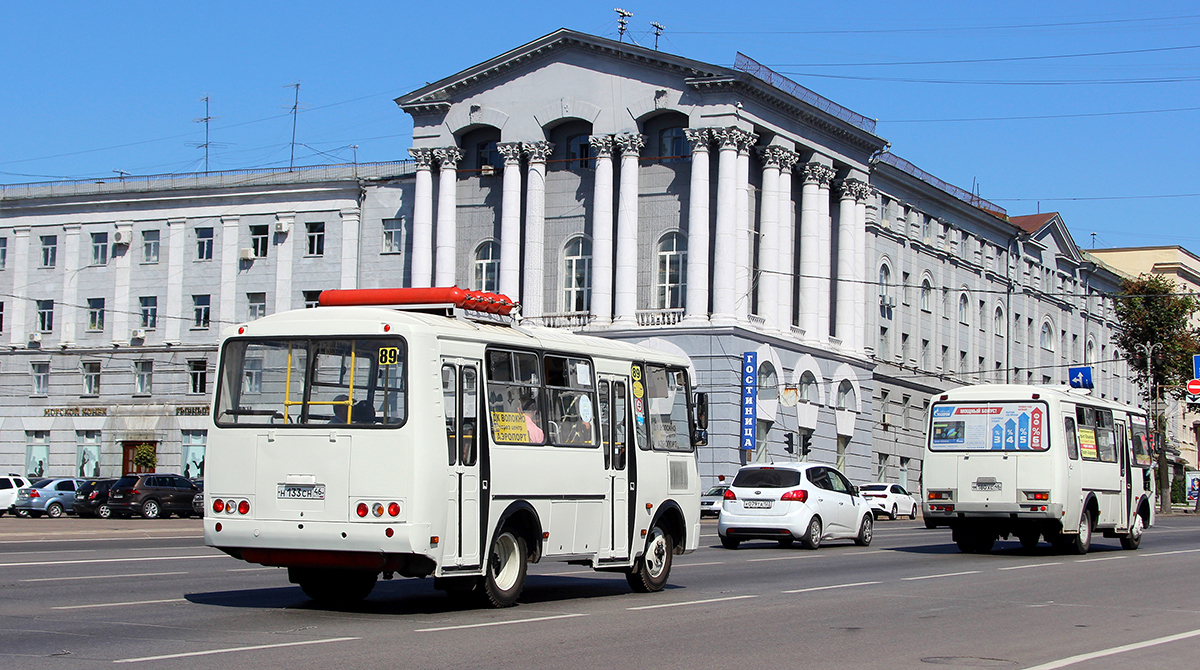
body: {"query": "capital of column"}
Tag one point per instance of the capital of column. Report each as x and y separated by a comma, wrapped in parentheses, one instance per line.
(422, 157)
(511, 152)
(448, 157)
(773, 156)
(699, 138)
(819, 174)
(537, 151)
(856, 188)
(787, 160)
(630, 143)
(602, 145)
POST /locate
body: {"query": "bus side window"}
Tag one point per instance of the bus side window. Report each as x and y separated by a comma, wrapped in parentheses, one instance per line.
(620, 412)
(1122, 444)
(1072, 439)
(450, 405)
(605, 428)
(470, 416)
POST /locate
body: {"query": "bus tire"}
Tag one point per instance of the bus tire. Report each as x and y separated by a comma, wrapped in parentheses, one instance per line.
(1134, 539)
(984, 543)
(337, 587)
(506, 568)
(653, 567)
(812, 536)
(1080, 543)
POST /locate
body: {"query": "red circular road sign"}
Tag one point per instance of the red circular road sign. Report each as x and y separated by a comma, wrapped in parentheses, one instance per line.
(1193, 387)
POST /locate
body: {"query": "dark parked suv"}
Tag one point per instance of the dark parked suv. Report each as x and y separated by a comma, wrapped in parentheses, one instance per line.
(154, 496)
(91, 499)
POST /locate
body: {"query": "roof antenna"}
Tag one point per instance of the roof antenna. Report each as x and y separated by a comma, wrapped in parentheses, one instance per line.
(658, 30)
(1093, 240)
(294, 110)
(622, 22)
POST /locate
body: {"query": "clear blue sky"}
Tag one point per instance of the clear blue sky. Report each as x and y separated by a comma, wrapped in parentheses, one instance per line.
(91, 87)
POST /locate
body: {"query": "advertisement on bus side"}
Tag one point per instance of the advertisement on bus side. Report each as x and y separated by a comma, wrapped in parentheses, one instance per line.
(1002, 426)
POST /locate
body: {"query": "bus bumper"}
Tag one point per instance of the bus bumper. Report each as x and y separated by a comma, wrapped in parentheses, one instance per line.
(946, 513)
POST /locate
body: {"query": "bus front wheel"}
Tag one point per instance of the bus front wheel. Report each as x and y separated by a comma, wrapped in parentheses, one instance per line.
(506, 567)
(654, 566)
(1134, 539)
(1080, 543)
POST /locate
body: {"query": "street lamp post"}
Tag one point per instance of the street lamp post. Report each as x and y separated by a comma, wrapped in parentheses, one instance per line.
(1164, 478)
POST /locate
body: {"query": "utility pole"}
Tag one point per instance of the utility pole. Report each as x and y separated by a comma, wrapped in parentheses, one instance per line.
(1164, 477)
(622, 22)
(295, 110)
(658, 31)
(205, 120)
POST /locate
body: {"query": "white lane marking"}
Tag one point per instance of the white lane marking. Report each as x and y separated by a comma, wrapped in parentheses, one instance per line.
(1106, 558)
(1112, 651)
(128, 602)
(781, 558)
(693, 565)
(947, 574)
(250, 569)
(497, 623)
(834, 586)
(1168, 553)
(1034, 565)
(690, 602)
(233, 649)
(144, 574)
(110, 560)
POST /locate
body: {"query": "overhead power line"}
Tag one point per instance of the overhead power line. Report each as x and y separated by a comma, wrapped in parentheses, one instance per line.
(1009, 59)
(942, 29)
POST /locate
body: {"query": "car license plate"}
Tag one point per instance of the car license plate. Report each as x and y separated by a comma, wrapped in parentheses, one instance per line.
(995, 486)
(302, 491)
(757, 504)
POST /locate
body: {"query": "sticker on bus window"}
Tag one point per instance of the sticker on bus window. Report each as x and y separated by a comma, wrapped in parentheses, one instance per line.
(638, 390)
(389, 355)
(636, 372)
(510, 427)
(1087, 443)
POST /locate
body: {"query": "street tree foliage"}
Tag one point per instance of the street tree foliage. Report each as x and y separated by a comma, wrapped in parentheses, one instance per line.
(1151, 308)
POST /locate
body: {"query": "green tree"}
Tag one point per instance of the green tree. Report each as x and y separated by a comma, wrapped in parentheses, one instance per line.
(145, 456)
(1154, 315)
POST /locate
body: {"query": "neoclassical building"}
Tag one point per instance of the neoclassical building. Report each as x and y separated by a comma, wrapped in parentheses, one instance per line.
(726, 213)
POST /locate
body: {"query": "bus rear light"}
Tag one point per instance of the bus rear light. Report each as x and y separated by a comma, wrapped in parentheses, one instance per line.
(362, 510)
(389, 532)
(393, 510)
(387, 328)
(433, 540)
(799, 495)
(939, 495)
(377, 509)
(1037, 495)
(244, 507)
(218, 505)
(941, 508)
(729, 495)
(230, 506)
(218, 527)
(242, 330)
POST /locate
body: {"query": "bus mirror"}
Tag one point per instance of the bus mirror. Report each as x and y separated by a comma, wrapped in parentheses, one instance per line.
(702, 411)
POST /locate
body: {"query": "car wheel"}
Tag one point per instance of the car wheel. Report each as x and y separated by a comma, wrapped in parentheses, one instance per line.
(1134, 538)
(23, 513)
(812, 536)
(729, 542)
(54, 510)
(865, 531)
(1079, 544)
(151, 509)
(892, 515)
(651, 571)
(913, 514)
(104, 511)
(506, 566)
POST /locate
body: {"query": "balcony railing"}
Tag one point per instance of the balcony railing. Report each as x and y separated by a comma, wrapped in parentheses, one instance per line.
(659, 317)
(570, 320)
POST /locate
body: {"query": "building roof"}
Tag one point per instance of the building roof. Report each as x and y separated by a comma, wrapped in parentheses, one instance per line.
(1031, 223)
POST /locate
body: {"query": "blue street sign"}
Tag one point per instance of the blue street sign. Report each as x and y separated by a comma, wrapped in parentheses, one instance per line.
(749, 401)
(1196, 366)
(1080, 378)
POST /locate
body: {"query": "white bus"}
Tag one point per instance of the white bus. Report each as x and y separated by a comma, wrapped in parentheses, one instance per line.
(1036, 462)
(419, 432)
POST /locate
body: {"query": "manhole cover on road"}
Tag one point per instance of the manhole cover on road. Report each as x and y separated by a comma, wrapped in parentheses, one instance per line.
(968, 661)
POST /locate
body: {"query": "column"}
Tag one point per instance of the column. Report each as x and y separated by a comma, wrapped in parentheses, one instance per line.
(446, 263)
(744, 264)
(69, 307)
(696, 303)
(121, 308)
(787, 241)
(812, 289)
(824, 296)
(862, 192)
(18, 328)
(510, 222)
(769, 267)
(176, 239)
(422, 253)
(533, 300)
(625, 278)
(285, 250)
(229, 270)
(724, 242)
(602, 230)
(847, 294)
(351, 225)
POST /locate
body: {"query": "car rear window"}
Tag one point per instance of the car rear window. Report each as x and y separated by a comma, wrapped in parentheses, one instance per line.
(767, 478)
(875, 487)
(125, 482)
(43, 484)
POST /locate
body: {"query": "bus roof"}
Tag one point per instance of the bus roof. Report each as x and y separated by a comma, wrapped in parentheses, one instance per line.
(1002, 392)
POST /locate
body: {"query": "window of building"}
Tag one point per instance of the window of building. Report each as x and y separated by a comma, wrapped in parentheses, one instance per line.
(924, 354)
(903, 347)
(1029, 329)
(37, 453)
(45, 315)
(87, 453)
(149, 311)
(964, 310)
(3, 252)
(487, 154)
(49, 250)
(946, 358)
(673, 146)
(926, 229)
(393, 236)
(99, 248)
(672, 271)
(845, 396)
(192, 445)
(998, 322)
(198, 376)
(143, 377)
(1, 317)
(316, 238)
(982, 315)
(91, 377)
(579, 152)
(487, 267)
(1016, 327)
(258, 305)
(962, 362)
(1047, 337)
(808, 388)
(926, 294)
(201, 309)
(768, 382)
(204, 244)
(907, 295)
(252, 372)
(40, 377)
(95, 314)
(150, 244)
(259, 240)
(577, 275)
(312, 299)
(885, 284)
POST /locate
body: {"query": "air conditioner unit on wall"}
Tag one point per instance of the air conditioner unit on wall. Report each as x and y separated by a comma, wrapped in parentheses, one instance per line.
(247, 254)
(35, 338)
(283, 227)
(137, 334)
(122, 237)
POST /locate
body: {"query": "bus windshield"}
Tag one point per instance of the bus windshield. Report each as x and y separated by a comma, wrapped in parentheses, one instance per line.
(312, 382)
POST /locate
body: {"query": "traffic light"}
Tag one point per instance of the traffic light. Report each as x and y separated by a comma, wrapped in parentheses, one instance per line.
(788, 446)
(805, 443)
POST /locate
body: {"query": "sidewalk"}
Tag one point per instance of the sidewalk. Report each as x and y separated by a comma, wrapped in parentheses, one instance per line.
(16, 529)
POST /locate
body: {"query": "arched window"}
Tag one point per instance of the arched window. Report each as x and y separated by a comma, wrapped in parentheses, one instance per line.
(885, 283)
(808, 387)
(845, 396)
(579, 152)
(998, 322)
(487, 267)
(926, 294)
(964, 310)
(768, 382)
(673, 145)
(672, 271)
(1047, 336)
(1089, 353)
(577, 275)
(479, 147)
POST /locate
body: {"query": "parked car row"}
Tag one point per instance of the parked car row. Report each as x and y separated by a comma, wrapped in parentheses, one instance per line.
(151, 496)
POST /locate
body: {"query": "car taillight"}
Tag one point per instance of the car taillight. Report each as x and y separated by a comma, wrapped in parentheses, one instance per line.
(244, 507)
(799, 495)
(218, 505)
(362, 510)
(33, 493)
(93, 495)
(729, 495)
(393, 509)
(134, 492)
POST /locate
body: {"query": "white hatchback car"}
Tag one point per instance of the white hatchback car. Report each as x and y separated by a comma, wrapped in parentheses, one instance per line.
(890, 499)
(794, 501)
(8, 491)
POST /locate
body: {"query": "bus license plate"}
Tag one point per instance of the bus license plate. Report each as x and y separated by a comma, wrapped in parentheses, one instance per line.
(997, 486)
(302, 492)
(756, 504)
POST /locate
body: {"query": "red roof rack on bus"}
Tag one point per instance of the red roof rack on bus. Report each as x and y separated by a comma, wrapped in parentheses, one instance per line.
(447, 296)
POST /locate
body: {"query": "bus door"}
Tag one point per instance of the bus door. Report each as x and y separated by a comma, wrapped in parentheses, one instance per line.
(1072, 504)
(1124, 460)
(615, 439)
(460, 399)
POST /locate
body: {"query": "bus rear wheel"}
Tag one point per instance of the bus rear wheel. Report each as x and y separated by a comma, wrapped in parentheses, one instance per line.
(652, 569)
(506, 568)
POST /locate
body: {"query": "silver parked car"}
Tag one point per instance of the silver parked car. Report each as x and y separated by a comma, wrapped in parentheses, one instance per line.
(52, 497)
